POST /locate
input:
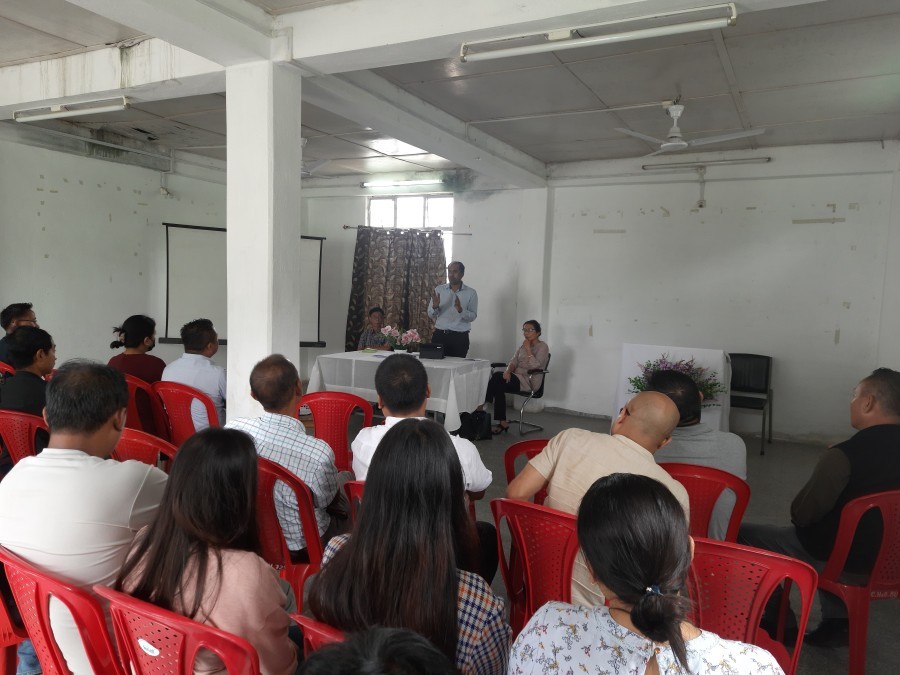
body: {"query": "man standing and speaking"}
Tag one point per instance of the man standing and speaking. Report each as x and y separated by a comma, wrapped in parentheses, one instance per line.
(454, 307)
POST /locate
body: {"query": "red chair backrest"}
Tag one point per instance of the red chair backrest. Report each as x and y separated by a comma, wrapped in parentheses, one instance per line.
(6, 369)
(529, 449)
(704, 486)
(10, 637)
(32, 590)
(153, 640)
(177, 399)
(275, 548)
(316, 634)
(545, 541)
(354, 490)
(145, 409)
(18, 430)
(884, 581)
(730, 585)
(331, 412)
(144, 448)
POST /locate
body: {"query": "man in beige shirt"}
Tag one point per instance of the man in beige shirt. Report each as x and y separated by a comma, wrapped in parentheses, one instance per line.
(575, 459)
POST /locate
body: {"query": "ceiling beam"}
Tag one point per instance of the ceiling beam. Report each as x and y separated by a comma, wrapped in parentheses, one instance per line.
(149, 71)
(227, 32)
(365, 34)
(372, 101)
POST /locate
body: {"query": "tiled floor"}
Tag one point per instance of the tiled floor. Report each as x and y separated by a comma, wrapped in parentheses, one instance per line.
(774, 479)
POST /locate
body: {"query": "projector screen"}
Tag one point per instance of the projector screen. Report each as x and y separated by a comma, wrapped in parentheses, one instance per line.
(196, 282)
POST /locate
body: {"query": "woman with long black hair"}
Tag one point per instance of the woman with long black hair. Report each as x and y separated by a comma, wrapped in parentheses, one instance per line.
(138, 335)
(403, 565)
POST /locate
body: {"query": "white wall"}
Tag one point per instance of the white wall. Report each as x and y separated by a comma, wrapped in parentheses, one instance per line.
(83, 240)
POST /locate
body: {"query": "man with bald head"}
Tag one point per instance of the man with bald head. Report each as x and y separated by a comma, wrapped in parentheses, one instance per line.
(575, 458)
(280, 437)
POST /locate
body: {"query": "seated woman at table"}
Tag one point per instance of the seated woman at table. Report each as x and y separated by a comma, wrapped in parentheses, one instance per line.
(532, 354)
(404, 564)
(199, 558)
(371, 337)
(635, 537)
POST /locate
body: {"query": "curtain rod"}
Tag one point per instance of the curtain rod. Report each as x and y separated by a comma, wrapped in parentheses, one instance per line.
(408, 229)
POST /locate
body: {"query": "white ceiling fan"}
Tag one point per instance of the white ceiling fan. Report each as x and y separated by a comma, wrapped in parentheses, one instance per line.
(309, 168)
(674, 141)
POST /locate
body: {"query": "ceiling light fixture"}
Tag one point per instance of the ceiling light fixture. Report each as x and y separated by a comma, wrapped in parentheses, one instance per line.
(399, 183)
(571, 38)
(700, 165)
(72, 109)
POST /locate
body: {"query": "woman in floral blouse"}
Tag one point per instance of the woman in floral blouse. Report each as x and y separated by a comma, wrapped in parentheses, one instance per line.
(635, 538)
(404, 564)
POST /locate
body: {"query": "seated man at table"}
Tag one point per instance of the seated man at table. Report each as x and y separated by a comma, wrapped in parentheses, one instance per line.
(864, 464)
(401, 384)
(280, 437)
(196, 369)
(694, 442)
(575, 458)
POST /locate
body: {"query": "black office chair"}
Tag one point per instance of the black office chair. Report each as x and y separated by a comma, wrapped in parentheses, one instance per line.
(538, 393)
(752, 374)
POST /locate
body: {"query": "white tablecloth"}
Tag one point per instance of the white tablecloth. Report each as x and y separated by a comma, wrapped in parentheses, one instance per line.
(457, 385)
(714, 413)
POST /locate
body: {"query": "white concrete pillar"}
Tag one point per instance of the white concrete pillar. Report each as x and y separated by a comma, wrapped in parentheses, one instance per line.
(264, 163)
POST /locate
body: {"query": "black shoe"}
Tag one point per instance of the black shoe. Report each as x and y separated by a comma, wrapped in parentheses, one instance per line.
(829, 633)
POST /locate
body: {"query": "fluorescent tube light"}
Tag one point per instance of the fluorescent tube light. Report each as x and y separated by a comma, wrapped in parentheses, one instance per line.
(71, 110)
(553, 41)
(399, 183)
(712, 162)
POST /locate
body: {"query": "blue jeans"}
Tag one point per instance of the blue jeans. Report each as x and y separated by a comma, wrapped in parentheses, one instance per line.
(28, 660)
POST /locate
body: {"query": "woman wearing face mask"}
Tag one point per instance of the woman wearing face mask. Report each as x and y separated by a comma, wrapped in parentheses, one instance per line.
(138, 336)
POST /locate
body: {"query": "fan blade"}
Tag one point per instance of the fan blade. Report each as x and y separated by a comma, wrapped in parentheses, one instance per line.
(727, 137)
(661, 151)
(643, 137)
(311, 167)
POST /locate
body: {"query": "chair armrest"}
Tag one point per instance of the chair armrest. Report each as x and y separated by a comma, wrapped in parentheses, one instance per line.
(534, 371)
(498, 364)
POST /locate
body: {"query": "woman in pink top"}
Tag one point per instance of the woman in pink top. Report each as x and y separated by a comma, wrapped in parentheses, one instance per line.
(199, 557)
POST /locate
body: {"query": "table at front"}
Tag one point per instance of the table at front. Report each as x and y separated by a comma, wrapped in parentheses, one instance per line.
(457, 385)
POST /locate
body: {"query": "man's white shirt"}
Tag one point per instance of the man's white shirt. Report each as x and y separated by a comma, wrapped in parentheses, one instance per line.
(199, 372)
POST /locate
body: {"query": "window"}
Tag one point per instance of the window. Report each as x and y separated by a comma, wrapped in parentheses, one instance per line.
(430, 212)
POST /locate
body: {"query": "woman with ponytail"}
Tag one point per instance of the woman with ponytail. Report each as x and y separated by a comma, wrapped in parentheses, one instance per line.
(635, 538)
(138, 336)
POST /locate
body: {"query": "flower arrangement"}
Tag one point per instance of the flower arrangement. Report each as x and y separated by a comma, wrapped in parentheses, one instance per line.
(400, 338)
(707, 382)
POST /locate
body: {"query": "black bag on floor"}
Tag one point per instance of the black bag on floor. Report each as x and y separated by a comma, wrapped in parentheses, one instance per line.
(475, 426)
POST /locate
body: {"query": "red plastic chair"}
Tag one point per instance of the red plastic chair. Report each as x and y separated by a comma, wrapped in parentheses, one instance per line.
(177, 399)
(6, 369)
(145, 409)
(18, 431)
(704, 486)
(529, 449)
(331, 412)
(730, 585)
(316, 634)
(542, 553)
(153, 640)
(32, 590)
(354, 490)
(275, 548)
(144, 448)
(884, 580)
(10, 637)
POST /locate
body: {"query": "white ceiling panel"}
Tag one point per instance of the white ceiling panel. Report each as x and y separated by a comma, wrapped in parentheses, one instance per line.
(171, 134)
(179, 106)
(215, 153)
(809, 14)
(881, 127)
(429, 161)
(519, 92)
(66, 21)
(444, 69)
(282, 6)
(556, 129)
(827, 100)
(321, 120)
(632, 47)
(377, 165)
(816, 54)
(574, 151)
(693, 70)
(21, 42)
(382, 144)
(329, 147)
(211, 120)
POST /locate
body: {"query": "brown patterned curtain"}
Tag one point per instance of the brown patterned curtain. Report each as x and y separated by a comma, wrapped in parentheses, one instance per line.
(396, 270)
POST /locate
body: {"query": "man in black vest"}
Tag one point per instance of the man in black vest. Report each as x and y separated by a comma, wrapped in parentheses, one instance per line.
(867, 463)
